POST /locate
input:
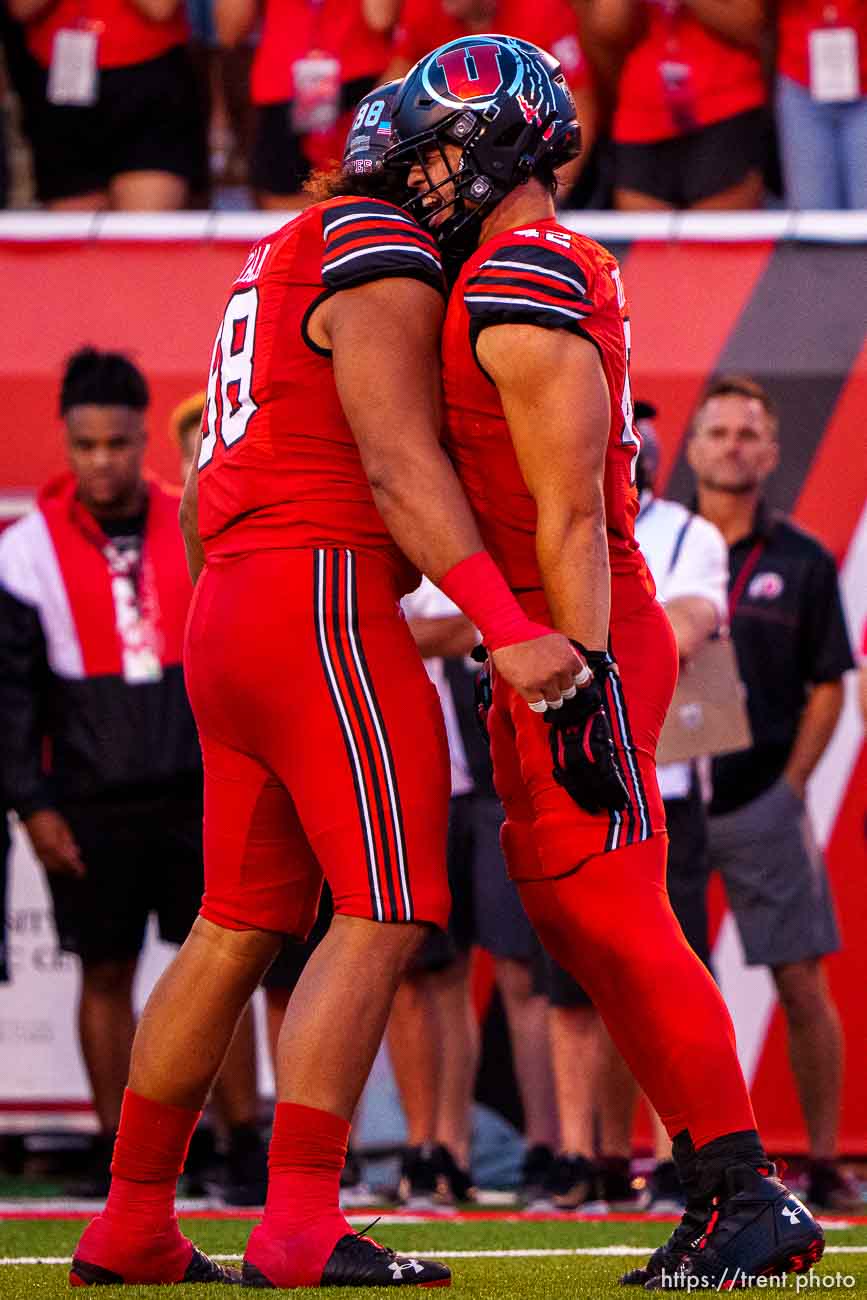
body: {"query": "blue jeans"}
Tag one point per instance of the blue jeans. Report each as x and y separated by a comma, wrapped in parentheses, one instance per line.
(823, 147)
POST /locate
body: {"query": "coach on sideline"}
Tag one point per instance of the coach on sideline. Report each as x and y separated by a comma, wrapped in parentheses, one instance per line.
(793, 648)
(100, 754)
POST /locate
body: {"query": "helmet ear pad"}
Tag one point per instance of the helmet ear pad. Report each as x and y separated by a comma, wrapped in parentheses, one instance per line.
(507, 162)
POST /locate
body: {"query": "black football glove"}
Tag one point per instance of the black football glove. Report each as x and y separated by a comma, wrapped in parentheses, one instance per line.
(483, 695)
(582, 745)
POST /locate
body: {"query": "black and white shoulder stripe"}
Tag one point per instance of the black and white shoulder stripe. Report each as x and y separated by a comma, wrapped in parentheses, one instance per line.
(533, 284)
(369, 239)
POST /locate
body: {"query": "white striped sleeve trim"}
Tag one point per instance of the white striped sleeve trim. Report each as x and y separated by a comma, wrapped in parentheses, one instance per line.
(536, 270)
(526, 302)
(381, 248)
(368, 216)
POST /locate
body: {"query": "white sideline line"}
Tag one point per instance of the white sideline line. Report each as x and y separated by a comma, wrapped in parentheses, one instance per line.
(245, 227)
(597, 1252)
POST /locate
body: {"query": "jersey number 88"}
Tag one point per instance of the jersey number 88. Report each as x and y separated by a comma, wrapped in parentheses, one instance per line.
(229, 406)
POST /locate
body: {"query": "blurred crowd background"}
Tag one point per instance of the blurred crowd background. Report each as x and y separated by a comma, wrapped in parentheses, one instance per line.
(160, 105)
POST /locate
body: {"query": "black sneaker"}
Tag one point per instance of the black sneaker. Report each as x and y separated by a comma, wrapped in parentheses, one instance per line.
(666, 1258)
(360, 1261)
(667, 1195)
(417, 1188)
(831, 1189)
(616, 1189)
(354, 1191)
(203, 1167)
(199, 1269)
(453, 1184)
(571, 1183)
(757, 1229)
(246, 1176)
(95, 1181)
(535, 1168)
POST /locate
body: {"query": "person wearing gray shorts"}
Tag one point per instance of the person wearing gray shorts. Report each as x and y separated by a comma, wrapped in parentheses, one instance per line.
(792, 646)
(775, 879)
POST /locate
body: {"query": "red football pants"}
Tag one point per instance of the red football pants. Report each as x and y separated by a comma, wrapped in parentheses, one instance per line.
(610, 925)
(546, 833)
(323, 743)
(594, 885)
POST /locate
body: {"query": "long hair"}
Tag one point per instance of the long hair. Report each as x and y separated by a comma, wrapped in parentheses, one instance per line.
(380, 183)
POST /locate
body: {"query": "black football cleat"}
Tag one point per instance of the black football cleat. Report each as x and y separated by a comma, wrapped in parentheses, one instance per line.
(572, 1181)
(360, 1261)
(199, 1269)
(453, 1183)
(417, 1188)
(757, 1229)
(666, 1258)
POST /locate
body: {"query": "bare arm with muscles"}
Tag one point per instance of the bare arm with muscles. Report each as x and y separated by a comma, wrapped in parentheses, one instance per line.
(556, 402)
(189, 518)
(384, 339)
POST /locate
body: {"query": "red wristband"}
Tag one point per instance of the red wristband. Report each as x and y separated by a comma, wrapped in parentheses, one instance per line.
(479, 589)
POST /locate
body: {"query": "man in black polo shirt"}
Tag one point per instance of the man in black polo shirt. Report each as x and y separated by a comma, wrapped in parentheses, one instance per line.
(793, 649)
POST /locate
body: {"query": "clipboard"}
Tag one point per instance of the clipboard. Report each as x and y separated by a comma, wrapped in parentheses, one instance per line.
(708, 714)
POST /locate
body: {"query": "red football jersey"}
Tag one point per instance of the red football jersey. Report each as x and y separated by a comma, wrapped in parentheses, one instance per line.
(717, 78)
(126, 36)
(279, 465)
(293, 29)
(548, 276)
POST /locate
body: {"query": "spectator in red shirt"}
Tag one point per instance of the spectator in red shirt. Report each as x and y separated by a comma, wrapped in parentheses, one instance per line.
(821, 101)
(315, 60)
(112, 113)
(688, 125)
(549, 23)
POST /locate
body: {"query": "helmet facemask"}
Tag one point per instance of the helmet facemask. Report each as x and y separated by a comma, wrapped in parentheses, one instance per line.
(475, 191)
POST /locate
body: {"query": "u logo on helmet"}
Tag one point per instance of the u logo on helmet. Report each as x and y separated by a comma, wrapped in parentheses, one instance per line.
(472, 72)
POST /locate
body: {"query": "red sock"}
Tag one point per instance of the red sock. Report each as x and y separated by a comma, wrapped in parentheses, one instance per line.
(303, 1221)
(137, 1234)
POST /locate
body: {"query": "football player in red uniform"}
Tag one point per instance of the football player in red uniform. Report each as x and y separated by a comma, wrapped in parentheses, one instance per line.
(540, 428)
(323, 742)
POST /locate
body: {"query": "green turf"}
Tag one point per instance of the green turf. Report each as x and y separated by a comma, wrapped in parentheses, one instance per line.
(545, 1278)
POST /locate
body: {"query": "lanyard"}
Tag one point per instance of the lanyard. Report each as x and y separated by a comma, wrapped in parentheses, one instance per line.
(744, 576)
(671, 15)
(317, 17)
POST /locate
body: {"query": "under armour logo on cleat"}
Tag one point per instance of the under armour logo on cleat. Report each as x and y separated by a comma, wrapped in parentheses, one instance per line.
(399, 1266)
(791, 1215)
